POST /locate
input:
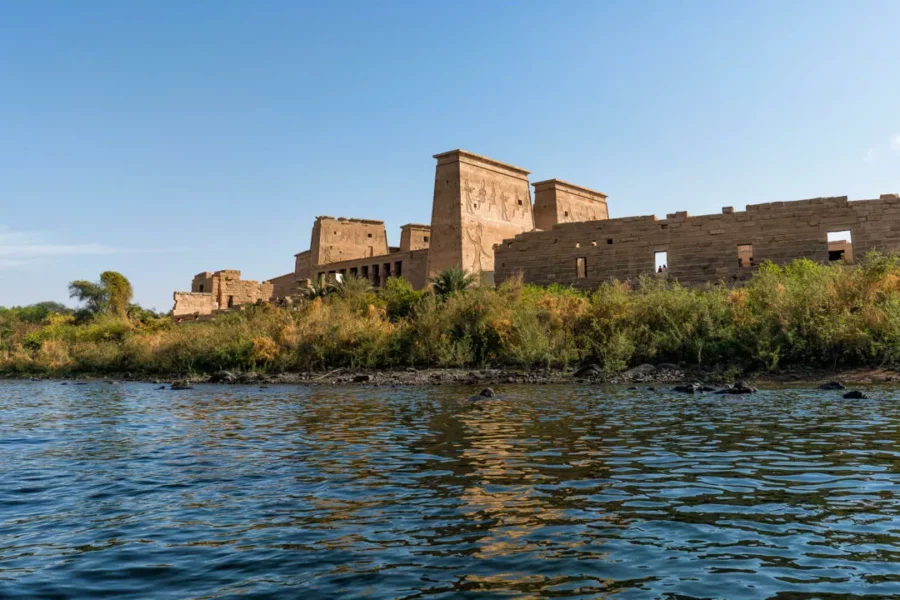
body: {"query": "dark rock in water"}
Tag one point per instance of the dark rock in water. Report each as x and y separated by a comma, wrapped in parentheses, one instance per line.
(738, 387)
(81, 383)
(64, 383)
(586, 371)
(833, 385)
(640, 371)
(362, 378)
(249, 377)
(223, 377)
(855, 395)
(694, 388)
(484, 394)
(263, 387)
(651, 389)
(162, 387)
(181, 385)
(632, 388)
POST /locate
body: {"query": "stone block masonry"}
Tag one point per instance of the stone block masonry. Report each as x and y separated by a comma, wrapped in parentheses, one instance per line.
(557, 201)
(483, 220)
(477, 202)
(709, 248)
(335, 240)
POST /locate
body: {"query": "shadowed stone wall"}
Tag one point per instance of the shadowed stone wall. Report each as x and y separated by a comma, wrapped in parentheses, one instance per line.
(411, 265)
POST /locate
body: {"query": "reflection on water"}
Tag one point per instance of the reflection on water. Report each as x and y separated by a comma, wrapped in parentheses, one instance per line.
(409, 493)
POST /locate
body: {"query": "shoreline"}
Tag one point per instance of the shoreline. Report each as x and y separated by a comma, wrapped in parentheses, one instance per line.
(646, 375)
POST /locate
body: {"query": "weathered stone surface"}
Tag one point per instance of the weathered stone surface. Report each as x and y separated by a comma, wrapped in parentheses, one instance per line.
(693, 388)
(485, 394)
(640, 371)
(586, 371)
(833, 385)
(738, 387)
(223, 377)
(483, 220)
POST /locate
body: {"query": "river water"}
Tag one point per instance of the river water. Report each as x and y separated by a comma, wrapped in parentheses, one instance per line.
(551, 491)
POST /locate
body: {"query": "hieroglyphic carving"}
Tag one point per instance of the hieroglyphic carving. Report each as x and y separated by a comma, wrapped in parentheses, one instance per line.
(476, 235)
(482, 201)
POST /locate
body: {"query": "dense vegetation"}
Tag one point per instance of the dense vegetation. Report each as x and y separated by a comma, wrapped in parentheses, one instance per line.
(803, 313)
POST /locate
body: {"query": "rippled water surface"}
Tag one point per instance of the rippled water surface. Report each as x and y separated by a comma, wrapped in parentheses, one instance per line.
(127, 491)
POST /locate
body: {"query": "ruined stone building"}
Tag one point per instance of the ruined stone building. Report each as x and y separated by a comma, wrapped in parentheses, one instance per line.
(483, 219)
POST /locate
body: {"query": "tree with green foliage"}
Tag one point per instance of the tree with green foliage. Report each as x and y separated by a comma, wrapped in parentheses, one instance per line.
(91, 294)
(451, 281)
(352, 287)
(112, 294)
(118, 292)
(399, 298)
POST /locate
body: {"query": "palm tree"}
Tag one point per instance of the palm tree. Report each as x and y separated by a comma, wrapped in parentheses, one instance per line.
(351, 286)
(451, 281)
(316, 289)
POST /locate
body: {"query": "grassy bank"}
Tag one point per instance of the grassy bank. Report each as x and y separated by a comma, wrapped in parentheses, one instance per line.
(801, 314)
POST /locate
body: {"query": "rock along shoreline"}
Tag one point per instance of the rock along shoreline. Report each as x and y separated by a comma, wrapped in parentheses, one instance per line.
(642, 375)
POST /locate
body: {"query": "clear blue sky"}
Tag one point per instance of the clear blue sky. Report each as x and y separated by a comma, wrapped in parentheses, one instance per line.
(161, 139)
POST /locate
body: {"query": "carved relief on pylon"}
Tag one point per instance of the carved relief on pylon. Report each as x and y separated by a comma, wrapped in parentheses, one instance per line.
(475, 234)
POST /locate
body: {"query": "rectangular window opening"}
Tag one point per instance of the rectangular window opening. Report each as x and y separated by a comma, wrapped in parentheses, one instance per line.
(230, 301)
(745, 255)
(201, 288)
(425, 238)
(581, 267)
(398, 269)
(609, 241)
(662, 261)
(840, 246)
(364, 271)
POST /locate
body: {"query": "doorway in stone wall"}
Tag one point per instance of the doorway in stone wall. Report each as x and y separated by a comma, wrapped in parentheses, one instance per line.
(840, 246)
(662, 262)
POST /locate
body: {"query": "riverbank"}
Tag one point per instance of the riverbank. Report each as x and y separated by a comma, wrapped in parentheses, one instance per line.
(643, 375)
(803, 320)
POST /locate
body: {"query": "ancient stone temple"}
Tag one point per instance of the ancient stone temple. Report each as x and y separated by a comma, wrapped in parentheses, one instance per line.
(483, 220)
(478, 202)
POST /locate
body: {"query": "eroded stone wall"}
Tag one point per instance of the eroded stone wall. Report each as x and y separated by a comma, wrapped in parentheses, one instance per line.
(302, 266)
(414, 237)
(335, 240)
(478, 202)
(700, 249)
(557, 201)
(284, 286)
(193, 303)
(202, 283)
